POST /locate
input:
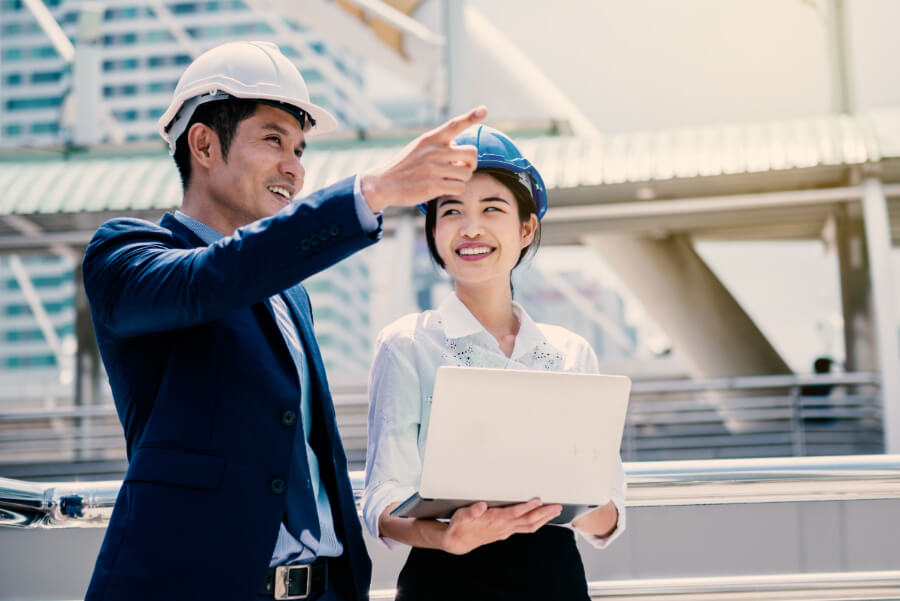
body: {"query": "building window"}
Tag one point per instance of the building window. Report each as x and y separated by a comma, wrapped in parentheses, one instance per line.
(120, 39)
(36, 361)
(46, 127)
(184, 8)
(161, 87)
(128, 115)
(122, 64)
(13, 79)
(18, 104)
(11, 29)
(158, 35)
(17, 310)
(46, 77)
(13, 130)
(128, 89)
(122, 13)
(56, 307)
(312, 76)
(43, 52)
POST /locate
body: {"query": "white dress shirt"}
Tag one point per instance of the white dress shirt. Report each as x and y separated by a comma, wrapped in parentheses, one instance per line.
(407, 355)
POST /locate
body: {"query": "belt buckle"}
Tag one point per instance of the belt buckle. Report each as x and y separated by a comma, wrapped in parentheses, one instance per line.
(283, 581)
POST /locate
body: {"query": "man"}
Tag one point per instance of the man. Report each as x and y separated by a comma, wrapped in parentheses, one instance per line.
(236, 468)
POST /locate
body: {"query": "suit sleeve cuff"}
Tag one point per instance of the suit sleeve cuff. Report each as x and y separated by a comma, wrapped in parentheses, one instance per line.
(368, 220)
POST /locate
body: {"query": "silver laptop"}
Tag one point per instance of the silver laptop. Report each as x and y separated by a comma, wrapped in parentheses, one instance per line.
(506, 436)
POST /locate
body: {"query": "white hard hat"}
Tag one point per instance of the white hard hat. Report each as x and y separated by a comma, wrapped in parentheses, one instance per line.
(250, 70)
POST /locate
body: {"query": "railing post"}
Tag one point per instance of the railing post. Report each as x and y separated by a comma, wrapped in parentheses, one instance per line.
(797, 425)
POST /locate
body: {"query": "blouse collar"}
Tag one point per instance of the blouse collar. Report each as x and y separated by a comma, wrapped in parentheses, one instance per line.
(459, 322)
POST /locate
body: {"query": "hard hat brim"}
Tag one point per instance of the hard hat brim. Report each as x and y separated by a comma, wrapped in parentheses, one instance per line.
(325, 121)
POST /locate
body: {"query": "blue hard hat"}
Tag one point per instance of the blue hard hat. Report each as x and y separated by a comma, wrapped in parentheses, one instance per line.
(497, 151)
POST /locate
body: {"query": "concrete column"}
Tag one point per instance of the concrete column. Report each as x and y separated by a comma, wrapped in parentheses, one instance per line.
(88, 383)
(457, 57)
(87, 70)
(391, 267)
(707, 326)
(856, 292)
(878, 243)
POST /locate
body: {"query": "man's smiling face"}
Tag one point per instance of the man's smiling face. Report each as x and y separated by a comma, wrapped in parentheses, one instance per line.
(262, 172)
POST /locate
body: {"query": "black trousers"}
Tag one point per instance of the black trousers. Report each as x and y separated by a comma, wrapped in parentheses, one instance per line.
(543, 566)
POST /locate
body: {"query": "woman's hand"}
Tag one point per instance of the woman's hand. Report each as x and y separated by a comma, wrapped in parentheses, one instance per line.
(477, 524)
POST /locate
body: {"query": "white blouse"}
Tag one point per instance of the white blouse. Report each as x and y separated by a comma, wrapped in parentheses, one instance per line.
(408, 353)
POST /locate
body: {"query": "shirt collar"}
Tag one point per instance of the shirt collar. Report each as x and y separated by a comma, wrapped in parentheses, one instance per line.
(458, 322)
(456, 318)
(203, 231)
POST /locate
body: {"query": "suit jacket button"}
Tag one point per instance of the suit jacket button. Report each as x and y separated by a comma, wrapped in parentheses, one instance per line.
(277, 486)
(335, 230)
(288, 418)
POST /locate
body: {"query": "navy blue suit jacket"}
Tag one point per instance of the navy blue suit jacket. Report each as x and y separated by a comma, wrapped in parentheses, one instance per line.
(201, 377)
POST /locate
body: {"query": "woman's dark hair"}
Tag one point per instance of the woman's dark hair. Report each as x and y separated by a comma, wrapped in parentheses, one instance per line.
(223, 116)
(524, 201)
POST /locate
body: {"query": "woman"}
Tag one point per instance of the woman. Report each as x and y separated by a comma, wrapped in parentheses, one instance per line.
(482, 553)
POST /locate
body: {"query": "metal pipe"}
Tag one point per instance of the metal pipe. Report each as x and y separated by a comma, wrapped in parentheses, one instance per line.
(829, 586)
(650, 484)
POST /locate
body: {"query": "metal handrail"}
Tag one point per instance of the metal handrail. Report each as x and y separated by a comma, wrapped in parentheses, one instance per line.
(350, 393)
(650, 483)
(741, 416)
(829, 586)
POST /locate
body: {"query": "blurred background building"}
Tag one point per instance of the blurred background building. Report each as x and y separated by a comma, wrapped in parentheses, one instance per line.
(145, 48)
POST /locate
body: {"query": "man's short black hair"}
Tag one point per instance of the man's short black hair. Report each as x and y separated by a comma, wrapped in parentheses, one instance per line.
(524, 201)
(223, 116)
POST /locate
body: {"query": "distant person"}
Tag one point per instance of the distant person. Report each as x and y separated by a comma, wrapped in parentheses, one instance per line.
(821, 366)
(237, 484)
(478, 235)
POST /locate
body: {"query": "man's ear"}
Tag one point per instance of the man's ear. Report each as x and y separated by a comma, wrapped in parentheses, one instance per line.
(204, 145)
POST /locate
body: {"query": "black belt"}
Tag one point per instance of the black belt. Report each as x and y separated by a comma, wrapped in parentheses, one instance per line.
(297, 582)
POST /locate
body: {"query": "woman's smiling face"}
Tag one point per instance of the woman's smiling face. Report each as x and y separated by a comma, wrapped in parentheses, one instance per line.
(479, 235)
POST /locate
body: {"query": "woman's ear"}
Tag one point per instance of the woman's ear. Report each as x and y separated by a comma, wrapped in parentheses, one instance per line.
(528, 229)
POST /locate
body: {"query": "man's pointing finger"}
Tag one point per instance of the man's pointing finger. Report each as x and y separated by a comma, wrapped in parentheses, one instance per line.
(449, 130)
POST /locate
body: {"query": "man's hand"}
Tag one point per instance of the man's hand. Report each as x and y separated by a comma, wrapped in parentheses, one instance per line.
(477, 525)
(428, 167)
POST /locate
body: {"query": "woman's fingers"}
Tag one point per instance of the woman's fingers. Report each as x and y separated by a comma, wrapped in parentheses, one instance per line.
(477, 524)
(536, 518)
